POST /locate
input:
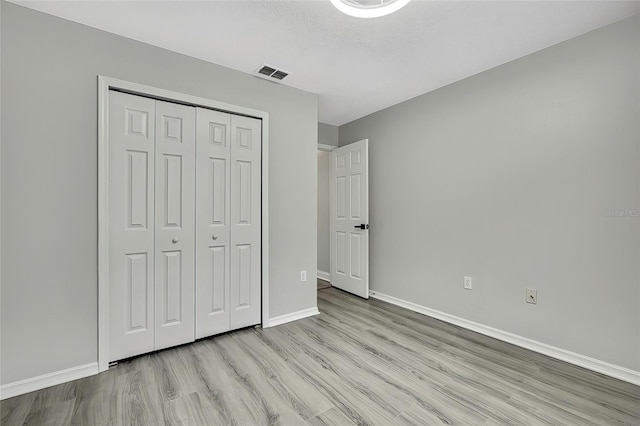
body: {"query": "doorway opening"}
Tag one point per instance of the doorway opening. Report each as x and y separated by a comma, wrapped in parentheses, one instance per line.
(324, 250)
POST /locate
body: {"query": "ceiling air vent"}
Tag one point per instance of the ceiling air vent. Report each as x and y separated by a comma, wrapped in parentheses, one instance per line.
(265, 70)
(279, 75)
(271, 73)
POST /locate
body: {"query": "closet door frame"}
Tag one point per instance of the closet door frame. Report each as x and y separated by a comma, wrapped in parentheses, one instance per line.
(105, 84)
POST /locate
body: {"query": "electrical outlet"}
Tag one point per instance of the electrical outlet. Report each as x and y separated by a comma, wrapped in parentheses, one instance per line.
(303, 276)
(468, 284)
(532, 296)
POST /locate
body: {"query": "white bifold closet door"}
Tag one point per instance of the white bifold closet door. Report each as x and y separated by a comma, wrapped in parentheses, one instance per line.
(175, 227)
(152, 211)
(131, 220)
(228, 237)
(185, 223)
(213, 175)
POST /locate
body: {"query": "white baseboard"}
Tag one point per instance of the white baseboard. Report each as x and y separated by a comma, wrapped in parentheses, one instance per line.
(46, 380)
(294, 316)
(325, 276)
(589, 363)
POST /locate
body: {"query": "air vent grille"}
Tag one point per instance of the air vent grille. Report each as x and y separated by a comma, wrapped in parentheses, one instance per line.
(265, 70)
(279, 75)
(271, 72)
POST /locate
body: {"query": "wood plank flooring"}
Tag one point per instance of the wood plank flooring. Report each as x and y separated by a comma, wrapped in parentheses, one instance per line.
(358, 362)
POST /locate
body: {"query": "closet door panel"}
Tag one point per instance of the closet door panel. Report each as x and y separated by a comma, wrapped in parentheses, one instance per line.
(213, 212)
(131, 225)
(175, 224)
(246, 163)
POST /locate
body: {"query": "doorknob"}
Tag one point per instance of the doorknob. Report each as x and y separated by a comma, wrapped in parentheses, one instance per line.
(215, 236)
(362, 226)
(174, 240)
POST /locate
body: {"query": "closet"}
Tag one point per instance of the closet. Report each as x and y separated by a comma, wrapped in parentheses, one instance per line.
(185, 223)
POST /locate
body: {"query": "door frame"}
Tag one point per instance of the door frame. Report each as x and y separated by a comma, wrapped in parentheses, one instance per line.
(327, 148)
(104, 85)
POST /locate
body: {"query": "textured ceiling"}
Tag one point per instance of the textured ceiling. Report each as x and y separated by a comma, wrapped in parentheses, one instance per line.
(356, 66)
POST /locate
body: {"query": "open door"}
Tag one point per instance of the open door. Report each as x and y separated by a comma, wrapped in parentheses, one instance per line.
(350, 218)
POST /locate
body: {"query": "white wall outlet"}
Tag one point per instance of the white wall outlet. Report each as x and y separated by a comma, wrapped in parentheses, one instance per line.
(303, 276)
(468, 283)
(532, 296)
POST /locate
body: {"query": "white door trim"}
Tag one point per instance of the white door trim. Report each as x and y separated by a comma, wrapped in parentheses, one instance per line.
(324, 275)
(104, 85)
(325, 147)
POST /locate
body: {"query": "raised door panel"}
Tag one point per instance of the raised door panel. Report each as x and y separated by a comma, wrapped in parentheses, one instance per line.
(355, 201)
(217, 291)
(175, 224)
(245, 247)
(217, 192)
(242, 192)
(137, 288)
(131, 227)
(243, 272)
(213, 210)
(137, 197)
(341, 253)
(355, 258)
(341, 197)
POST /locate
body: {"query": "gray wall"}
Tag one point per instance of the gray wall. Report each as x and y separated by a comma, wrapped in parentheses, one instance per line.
(323, 211)
(49, 179)
(327, 134)
(509, 177)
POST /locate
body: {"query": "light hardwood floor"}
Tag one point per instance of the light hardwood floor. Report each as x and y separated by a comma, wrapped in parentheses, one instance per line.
(362, 362)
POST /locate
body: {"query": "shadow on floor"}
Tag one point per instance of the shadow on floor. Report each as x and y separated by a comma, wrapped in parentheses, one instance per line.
(322, 284)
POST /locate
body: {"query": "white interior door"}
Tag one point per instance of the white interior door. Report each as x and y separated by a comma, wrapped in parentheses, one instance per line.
(350, 218)
(246, 172)
(174, 224)
(131, 233)
(213, 217)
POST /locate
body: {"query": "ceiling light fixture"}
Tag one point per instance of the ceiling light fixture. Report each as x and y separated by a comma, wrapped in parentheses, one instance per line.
(369, 8)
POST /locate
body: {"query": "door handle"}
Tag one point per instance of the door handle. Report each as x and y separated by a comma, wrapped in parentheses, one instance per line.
(362, 226)
(214, 237)
(174, 240)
